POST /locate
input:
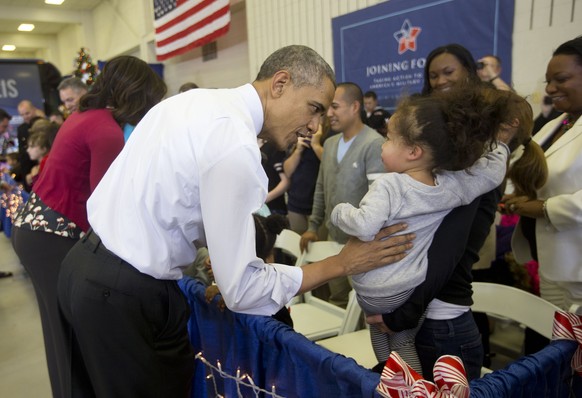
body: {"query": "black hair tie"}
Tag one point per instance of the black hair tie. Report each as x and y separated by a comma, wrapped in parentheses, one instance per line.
(526, 141)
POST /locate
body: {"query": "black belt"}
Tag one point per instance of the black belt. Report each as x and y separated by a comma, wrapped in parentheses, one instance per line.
(96, 241)
(93, 238)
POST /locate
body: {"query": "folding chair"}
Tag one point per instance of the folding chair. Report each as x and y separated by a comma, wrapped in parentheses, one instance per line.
(315, 318)
(288, 242)
(518, 305)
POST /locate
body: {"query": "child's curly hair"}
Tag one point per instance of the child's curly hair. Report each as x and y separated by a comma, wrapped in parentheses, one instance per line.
(267, 229)
(456, 127)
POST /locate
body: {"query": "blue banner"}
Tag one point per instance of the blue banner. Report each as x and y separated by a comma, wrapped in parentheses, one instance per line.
(384, 48)
(19, 81)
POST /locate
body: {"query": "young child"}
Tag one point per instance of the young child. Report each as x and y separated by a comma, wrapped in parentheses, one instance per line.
(430, 143)
(42, 135)
(14, 168)
(267, 229)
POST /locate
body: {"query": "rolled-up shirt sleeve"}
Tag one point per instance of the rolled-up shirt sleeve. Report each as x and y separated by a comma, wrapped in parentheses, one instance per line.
(231, 189)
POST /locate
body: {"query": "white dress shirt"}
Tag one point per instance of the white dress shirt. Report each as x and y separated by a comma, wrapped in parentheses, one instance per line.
(191, 174)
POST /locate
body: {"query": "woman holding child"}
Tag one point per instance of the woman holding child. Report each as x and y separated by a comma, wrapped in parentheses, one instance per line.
(445, 295)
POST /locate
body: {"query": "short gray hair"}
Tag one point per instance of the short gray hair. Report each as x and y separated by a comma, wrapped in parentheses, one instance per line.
(305, 65)
(74, 83)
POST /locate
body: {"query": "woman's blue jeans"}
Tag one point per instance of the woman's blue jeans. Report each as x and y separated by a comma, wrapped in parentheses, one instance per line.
(459, 337)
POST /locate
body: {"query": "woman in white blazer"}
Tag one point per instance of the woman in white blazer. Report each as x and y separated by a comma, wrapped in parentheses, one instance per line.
(550, 228)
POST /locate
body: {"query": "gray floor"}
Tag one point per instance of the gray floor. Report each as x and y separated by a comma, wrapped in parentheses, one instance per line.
(23, 372)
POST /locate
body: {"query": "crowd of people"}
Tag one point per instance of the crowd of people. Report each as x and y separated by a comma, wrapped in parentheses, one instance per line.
(116, 221)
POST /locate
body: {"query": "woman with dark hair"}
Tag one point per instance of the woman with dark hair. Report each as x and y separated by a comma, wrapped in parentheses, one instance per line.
(435, 162)
(447, 65)
(55, 216)
(551, 216)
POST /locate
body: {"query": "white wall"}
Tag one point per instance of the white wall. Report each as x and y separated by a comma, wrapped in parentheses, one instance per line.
(26, 45)
(70, 40)
(535, 37)
(276, 23)
(120, 27)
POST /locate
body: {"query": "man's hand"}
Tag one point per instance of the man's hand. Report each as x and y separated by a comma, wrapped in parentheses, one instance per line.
(357, 257)
(308, 236)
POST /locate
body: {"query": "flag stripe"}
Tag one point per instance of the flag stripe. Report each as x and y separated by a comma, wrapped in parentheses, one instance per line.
(195, 36)
(181, 7)
(190, 27)
(182, 25)
(205, 40)
(184, 11)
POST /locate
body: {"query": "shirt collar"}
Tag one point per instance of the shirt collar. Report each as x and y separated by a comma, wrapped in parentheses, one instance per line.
(253, 101)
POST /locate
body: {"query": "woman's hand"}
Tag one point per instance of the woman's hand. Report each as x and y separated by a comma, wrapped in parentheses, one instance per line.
(357, 257)
(377, 322)
(302, 143)
(522, 205)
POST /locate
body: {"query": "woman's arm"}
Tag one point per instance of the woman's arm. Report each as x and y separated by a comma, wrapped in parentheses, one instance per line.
(316, 144)
(448, 254)
(279, 189)
(292, 161)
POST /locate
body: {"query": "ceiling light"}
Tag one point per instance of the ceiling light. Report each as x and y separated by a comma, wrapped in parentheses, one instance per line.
(26, 27)
(8, 47)
(54, 2)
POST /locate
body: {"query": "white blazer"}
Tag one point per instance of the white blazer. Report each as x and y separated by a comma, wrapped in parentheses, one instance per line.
(559, 242)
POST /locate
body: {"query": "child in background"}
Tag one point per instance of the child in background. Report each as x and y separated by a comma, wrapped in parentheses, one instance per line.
(434, 158)
(267, 229)
(14, 168)
(42, 135)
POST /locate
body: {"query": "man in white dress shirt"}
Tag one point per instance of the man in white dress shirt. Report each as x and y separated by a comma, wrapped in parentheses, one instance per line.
(191, 175)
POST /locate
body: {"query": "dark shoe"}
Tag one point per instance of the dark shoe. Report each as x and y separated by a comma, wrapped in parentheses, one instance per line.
(379, 367)
(5, 274)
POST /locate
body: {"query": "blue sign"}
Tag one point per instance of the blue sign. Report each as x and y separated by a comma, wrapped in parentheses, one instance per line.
(19, 81)
(384, 48)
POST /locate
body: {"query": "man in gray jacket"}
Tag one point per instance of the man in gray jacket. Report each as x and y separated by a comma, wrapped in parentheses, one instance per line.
(351, 161)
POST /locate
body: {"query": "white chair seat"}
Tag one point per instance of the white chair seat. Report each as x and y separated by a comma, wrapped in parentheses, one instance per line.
(356, 345)
(315, 318)
(315, 322)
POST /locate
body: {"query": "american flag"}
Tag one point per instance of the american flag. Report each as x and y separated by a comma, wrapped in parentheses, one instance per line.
(181, 25)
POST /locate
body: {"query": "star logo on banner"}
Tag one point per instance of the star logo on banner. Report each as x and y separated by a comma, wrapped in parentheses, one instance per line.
(406, 37)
